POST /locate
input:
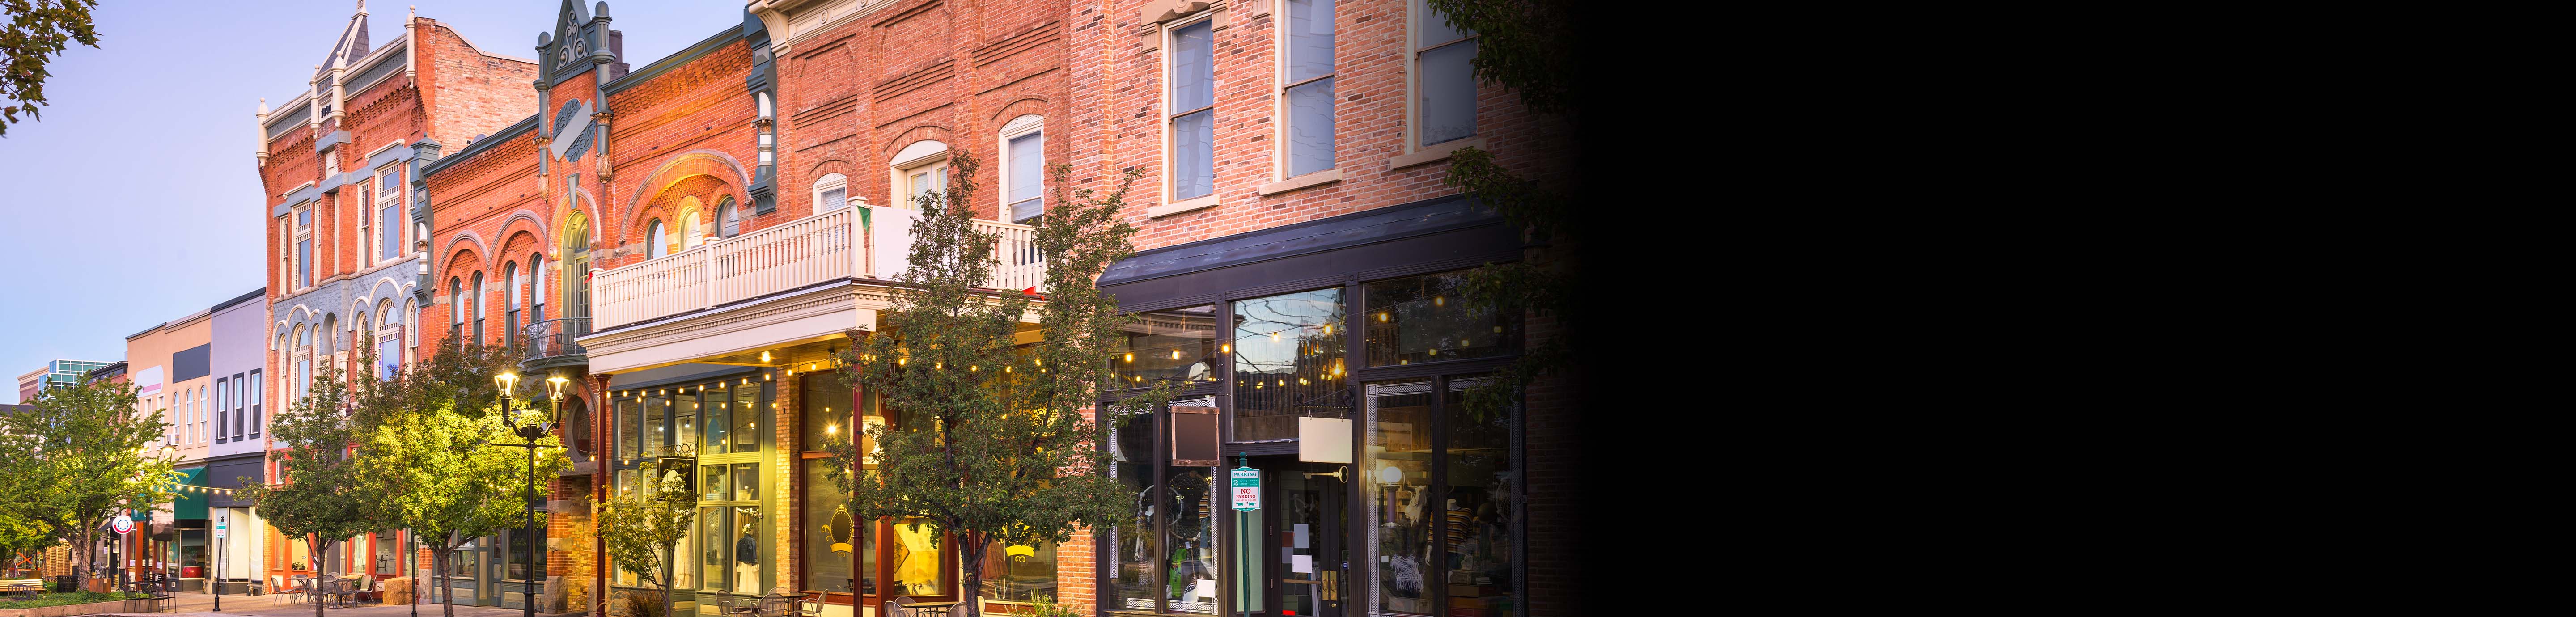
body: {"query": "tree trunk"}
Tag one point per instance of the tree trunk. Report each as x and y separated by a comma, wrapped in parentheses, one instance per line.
(83, 558)
(970, 557)
(448, 607)
(316, 587)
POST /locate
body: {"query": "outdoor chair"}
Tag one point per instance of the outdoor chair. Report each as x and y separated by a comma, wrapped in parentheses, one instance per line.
(775, 603)
(280, 589)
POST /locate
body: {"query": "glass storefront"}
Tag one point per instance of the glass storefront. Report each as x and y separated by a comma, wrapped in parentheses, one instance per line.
(1428, 526)
(1178, 345)
(1287, 354)
(709, 434)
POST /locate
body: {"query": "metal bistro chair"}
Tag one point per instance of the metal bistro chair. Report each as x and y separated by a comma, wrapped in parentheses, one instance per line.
(902, 606)
(775, 603)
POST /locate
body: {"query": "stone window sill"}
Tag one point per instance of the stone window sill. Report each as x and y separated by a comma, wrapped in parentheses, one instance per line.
(1328, 176)
(1181, 206)
(1434, 153)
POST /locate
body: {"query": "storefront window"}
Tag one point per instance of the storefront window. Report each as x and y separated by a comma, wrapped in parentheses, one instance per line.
(917, 571)
(1190, 581)
(1427, 319)
(712, 559)
(1288, 363)
(832, 538)
(744, 548)
(629, 422)
(1019, 573)
(656, 431)
(1396, 484)
(1479, 508)
(746, 481)
(1175, 345)
(385, 549)
(521, 543)
(824, 411)
(746, 417)
(718, 411)
(1132, 538)
(684, 421)
(712, 485)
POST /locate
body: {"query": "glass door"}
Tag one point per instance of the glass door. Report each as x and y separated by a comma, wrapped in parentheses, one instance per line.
(1303, 513)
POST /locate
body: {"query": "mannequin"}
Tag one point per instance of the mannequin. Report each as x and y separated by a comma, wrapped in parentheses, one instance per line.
(746, 561)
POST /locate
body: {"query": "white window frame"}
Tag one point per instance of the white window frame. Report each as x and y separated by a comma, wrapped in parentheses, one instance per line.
(827, 184)
(1015, 129)
(303, 233)
(935, 163)
(1417, 14)
(1279, 85)
(1171, 175)
(657, 238)
(376, 210)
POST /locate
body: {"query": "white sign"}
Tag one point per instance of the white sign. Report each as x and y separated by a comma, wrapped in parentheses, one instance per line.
(121, 524)
(147, 382)
(1247, 489)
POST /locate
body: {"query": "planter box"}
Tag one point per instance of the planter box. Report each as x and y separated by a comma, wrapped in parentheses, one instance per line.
(93, 608)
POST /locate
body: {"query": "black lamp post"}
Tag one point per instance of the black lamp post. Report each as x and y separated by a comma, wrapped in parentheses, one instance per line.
(529, 434)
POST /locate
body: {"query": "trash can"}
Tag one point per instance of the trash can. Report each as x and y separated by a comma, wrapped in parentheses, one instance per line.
(64, 583)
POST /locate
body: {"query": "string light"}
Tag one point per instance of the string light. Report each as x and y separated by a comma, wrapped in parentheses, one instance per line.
(1131, 357)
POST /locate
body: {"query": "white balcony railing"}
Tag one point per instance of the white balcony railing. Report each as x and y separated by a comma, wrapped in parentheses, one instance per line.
(824, 247)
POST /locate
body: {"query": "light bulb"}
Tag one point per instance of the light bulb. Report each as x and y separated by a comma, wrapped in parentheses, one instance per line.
(1131, 357)
(1440, 301)
(1176, 354)
(1381, 316)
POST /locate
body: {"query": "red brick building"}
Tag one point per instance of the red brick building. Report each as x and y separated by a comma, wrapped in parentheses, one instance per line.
(343, 231)
(690, 242)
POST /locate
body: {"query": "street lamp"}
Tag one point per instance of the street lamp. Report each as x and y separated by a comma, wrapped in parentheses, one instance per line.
(529, 433)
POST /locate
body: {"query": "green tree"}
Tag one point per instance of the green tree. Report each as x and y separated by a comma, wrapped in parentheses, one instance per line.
(20, 531)
(428, 445)
(320, 496)
(1528, 47)
(642, 528)
(992, 441)
(37, 30)
(92, 454)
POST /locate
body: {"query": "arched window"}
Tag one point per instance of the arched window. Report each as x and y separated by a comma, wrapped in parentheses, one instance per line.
(326, 341)
(831, 193)
(477, 300)
(410, 332)
(690, 237)
(657, 241)
(537, 287)
(921, 170)
(732, 222)
(576, 266)
(455, 306)
(510, 310)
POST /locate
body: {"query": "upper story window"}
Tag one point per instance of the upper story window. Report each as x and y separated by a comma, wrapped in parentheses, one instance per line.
(831, 193)
(729, 221)
(656, 240)
(303, 266)
(388, 208)
(1444, 85)
(1191, 108)
(924, 180)
(690, 236)
(1023, 169)
(1306, 87)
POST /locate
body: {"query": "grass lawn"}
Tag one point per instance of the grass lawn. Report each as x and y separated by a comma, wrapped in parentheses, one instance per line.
(60, 599)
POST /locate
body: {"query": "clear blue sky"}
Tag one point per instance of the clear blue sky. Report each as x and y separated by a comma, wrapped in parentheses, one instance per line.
(136, 199)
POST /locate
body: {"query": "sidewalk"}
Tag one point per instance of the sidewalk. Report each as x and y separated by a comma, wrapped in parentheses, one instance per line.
(235, 605)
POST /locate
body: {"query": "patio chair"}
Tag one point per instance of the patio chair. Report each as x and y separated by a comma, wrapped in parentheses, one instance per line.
(776, 602)
(280, 589)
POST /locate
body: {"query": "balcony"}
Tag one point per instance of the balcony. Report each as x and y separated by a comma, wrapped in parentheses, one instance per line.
(549, 343)
(849, 244)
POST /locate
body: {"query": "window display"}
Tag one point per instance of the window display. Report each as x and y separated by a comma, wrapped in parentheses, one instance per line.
(1477, 509)
(1019, 573)
(1132, 539)
(917, 571)
(1396, 486)
(1178, 345)
(1428, 319)
(1287, 352)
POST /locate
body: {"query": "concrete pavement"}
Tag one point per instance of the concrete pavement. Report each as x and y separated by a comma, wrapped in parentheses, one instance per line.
(203, 605)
